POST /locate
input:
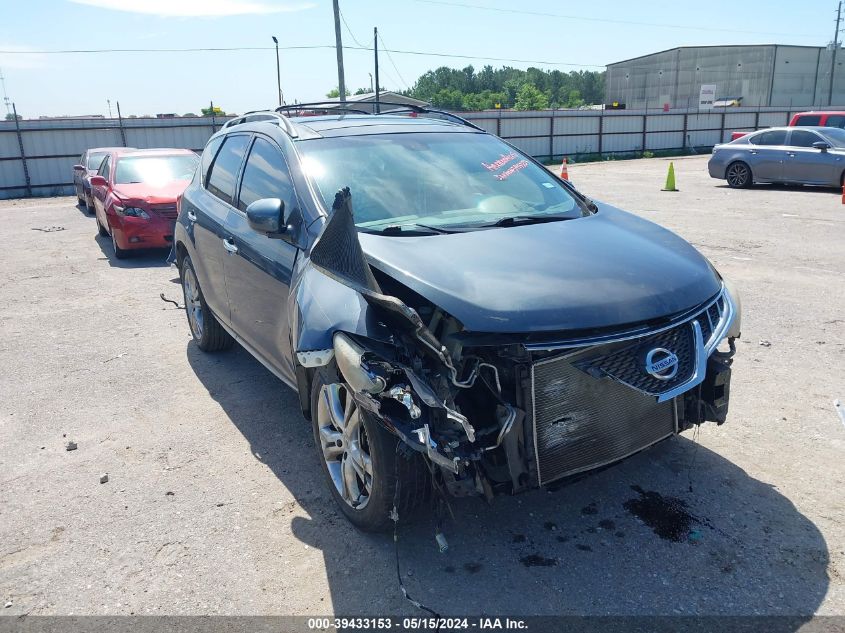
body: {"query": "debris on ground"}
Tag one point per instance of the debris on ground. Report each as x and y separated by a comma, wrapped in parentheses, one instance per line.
(840, 409)
(178, 305)
(49, 229)
(8, 604)
(121, 355)
(104, 478)
(71, 446)
(765, 343)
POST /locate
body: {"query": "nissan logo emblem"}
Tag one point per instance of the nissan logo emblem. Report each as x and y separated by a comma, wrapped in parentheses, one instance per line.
(661, 363)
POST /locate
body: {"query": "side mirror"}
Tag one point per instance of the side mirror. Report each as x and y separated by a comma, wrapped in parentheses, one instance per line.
(821, 145)
(98, 181)
(78, 167)
(267, 216)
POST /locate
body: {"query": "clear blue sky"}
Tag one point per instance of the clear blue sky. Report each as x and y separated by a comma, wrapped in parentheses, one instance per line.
(586, 35)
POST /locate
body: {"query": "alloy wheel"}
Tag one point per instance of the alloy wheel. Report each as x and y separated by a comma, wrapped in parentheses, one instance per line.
(738, 175)
(344, 444)
(193, 303)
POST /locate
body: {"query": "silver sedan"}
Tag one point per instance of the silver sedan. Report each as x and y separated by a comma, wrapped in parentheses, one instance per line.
(799, 155)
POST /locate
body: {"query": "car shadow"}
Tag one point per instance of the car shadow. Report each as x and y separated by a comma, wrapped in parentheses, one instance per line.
(674, 530)
(779, 187)
(83, 210)
(141, 258)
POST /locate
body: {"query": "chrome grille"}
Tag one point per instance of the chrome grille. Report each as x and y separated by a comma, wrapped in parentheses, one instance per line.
(581, 422)
(628, 363)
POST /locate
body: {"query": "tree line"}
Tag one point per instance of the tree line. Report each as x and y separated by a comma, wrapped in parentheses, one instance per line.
(506, 87)
(532, 89)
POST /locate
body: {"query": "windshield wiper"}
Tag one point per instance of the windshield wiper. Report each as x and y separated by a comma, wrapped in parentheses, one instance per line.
(518, 220)
(405, 229)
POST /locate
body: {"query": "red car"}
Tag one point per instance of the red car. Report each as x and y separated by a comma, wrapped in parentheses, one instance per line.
(135, 195)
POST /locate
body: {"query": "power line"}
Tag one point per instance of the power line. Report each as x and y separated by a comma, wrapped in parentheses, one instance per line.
(608, 20)
(313, 47)
(369, 49)
(390, 57)
(348, 30)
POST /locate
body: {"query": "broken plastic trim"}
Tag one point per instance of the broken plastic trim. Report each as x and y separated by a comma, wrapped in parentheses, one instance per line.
(350, 362)
(315, 358)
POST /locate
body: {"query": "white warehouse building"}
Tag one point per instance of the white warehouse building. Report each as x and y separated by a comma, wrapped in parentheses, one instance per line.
(756, 75)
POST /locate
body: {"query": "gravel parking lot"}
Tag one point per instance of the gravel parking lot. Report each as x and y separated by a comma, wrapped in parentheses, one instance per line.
(215, 504)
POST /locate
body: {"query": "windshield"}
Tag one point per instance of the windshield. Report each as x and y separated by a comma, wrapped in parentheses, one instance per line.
(835, 135)
(95, 159)
(438, 180)
(155, 170)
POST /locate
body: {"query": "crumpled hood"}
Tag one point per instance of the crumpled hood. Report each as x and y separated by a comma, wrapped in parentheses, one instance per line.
(152, 194)
(604, 270)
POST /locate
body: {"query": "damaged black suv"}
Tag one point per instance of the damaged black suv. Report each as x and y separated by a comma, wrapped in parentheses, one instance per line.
(453, 316)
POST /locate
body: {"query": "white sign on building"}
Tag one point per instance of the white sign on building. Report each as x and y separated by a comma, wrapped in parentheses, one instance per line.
(707, 96)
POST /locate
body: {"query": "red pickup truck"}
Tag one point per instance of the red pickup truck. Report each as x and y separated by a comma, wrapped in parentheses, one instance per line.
(826, 119)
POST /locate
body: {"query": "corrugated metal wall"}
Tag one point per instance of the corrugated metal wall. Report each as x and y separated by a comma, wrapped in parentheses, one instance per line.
(52, 147)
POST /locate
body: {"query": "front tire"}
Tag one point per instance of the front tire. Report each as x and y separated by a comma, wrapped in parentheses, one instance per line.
(208, 334)
(119, 253)
(361, 460)
(738, 175)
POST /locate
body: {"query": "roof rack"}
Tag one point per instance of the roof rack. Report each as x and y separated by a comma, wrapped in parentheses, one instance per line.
(398, 109)
(264, 115)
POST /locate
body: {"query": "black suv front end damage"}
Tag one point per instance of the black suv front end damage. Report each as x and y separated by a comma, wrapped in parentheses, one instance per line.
(504, 413)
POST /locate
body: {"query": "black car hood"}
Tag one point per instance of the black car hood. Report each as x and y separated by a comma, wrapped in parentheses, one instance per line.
(601, 271)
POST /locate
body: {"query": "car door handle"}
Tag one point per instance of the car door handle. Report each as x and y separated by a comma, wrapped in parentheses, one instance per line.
(753, 151)
(229, 245)
(792, 154)
(192, 216)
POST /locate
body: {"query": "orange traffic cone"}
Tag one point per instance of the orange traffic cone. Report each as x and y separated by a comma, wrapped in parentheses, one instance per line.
(564, 174)
(843, 193)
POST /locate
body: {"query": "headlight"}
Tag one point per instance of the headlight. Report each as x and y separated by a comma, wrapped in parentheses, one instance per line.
(131, 212)
(736, 327)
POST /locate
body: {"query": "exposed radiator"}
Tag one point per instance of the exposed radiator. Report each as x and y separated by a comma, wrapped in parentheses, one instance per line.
(581, 422)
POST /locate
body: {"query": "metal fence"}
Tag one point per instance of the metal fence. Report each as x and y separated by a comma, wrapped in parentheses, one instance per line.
(551, 134)
(37, 156)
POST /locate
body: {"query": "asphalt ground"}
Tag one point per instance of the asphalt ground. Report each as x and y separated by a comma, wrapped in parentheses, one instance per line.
(215, 503)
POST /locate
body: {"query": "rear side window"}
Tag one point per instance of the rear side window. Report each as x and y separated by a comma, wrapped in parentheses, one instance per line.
(208, 157)
(835, 120)
(265, 176)
(224, 170)
(105, 168)
(809, 119)
(95, 159)
(803, 138)
(774, 137)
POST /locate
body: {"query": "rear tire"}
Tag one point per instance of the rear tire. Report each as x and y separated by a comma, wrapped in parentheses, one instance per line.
(739, 176)
(363, 447)
(208, 334)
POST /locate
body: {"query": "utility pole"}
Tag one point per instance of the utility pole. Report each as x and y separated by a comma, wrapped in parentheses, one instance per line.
(6, 100)
(371, 82)
(341, 84)
(833, 54)
(375, 48)
(278, 74)
(109, 102)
